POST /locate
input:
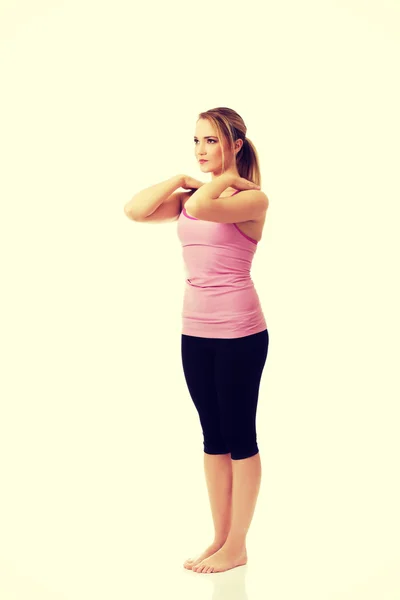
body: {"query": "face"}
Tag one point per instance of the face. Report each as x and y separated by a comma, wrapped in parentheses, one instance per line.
(208, 146)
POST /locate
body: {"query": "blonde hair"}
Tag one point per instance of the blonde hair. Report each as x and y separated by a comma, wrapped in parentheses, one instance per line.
(231, 127)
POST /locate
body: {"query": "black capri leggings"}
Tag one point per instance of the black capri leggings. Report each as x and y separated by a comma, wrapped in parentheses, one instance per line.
(223, 376)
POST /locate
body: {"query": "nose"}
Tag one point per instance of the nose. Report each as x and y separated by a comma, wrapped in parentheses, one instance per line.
(200, 151)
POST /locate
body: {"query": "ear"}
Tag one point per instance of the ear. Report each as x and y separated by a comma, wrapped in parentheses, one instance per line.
(238, 145)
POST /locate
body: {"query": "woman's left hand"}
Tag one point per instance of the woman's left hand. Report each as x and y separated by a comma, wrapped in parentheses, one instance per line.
(240, 183)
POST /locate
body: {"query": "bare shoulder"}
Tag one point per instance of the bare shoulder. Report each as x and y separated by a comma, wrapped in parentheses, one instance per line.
(264, 195)
(261, 199)
(266, 200)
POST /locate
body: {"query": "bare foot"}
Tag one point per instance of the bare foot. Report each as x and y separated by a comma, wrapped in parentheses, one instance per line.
(188, 564)
(223, 560)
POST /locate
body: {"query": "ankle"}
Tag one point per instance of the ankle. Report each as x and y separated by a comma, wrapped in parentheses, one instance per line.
(219, 541)
(235, 543)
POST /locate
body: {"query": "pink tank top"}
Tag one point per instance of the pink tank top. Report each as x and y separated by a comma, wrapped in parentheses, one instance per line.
(220, 300)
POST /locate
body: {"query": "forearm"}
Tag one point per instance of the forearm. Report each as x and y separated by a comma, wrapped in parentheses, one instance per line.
(147, 201)
(210, 191)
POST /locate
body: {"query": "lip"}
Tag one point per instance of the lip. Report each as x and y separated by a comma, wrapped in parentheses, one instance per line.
(202, 161)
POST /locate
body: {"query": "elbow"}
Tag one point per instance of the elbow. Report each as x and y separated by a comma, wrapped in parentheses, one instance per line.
(128, 213)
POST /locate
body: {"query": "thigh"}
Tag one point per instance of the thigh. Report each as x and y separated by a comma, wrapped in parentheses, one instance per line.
(198, 362)
(239, 365)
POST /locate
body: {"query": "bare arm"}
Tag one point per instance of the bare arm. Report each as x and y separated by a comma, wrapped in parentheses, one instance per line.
(146, 202)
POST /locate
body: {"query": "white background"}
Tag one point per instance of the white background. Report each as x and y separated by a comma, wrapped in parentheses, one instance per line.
(102, 485)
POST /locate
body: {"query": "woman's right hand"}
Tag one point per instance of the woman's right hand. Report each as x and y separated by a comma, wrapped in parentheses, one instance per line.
(189, 183)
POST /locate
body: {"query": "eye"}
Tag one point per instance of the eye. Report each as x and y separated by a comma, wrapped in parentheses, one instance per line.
(214, 141)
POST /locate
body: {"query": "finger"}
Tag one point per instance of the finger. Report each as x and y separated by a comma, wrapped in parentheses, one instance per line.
(250, 183)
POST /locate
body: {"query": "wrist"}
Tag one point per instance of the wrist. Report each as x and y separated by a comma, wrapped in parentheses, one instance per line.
(180, 179)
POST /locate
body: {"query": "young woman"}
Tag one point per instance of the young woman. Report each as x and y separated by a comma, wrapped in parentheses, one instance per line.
(224, 335)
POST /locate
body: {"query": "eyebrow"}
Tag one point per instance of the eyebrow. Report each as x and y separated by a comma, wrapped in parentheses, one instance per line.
(206, 137)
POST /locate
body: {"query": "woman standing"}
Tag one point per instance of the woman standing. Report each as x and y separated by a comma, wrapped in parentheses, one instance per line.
(224, 334)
